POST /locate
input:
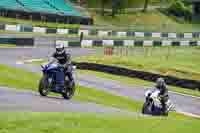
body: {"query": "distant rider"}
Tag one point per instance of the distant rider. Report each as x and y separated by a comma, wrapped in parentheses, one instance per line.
(64, 59)
(161, 85)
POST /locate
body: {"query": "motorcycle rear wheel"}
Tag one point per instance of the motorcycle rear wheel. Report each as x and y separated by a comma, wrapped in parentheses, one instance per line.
(69, 92)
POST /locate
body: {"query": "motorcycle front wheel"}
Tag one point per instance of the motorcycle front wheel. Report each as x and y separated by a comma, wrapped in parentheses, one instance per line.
(146, 109)
(43, 86)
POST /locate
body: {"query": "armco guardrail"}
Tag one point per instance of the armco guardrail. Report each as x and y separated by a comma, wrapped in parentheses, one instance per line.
(75, 42)
(170, 80)
(18, 41)
(98, 32)
(120, 43)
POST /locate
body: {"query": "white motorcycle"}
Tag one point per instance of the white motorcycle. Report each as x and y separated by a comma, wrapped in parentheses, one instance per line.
(153, 106)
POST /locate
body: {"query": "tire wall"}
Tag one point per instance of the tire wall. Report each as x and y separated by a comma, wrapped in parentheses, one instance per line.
(170, 80)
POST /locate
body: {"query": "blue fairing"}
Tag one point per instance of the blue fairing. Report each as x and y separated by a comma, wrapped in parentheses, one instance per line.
(50, 67)
(59, 77)
(56, 72)
(157, 111)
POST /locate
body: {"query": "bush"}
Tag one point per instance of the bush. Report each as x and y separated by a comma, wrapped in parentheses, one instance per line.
(179, 9)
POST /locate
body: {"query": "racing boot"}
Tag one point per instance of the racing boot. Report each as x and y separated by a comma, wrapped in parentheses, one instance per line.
(164, 109)
(71, 84)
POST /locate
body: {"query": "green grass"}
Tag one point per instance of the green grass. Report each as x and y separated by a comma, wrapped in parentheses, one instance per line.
(138, 82)
(7, 45)
(140, 21)
(18, 78)
(107, 99)
(93, 123)
(21, 79)
(180, 62)
(36, 23)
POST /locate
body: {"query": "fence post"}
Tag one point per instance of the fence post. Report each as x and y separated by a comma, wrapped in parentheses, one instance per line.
(108, 51)
(145, 51)
(121, 51)
(126, 50)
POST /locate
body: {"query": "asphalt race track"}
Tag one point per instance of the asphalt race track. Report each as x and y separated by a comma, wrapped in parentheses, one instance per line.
(11, 100)
(14, 100)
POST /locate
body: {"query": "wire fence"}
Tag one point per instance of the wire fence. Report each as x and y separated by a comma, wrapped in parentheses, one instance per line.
(164, 53)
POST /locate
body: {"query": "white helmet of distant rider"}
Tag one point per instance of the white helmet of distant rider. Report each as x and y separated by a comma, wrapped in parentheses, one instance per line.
(160, 83)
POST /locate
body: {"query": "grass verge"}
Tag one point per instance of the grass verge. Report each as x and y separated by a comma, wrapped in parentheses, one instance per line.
(95, 123)
(36, 23)
(7, 45)
(139, 21)
(18, 78)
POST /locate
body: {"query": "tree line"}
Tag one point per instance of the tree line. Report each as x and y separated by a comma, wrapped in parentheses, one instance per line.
(118, 5)
(179, 8)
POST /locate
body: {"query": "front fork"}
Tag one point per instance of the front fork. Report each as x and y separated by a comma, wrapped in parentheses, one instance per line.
(49, 80)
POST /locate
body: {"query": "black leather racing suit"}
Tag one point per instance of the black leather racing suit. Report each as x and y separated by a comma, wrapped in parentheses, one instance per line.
(164, 97)
(65, 60)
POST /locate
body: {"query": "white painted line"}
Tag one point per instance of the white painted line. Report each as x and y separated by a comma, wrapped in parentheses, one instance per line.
(33, 60)
(19, 62)
(185, 94)
(29, 61)
(189, 114)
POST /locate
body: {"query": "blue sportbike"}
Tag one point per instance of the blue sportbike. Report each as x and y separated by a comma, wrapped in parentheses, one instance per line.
(55, 80)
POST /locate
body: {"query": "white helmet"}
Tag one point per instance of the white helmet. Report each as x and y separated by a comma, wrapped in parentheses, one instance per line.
(160, 82)
(60, 48)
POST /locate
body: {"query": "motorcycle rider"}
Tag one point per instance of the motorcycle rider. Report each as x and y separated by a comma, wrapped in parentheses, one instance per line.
(161, 86)
(64, 59)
